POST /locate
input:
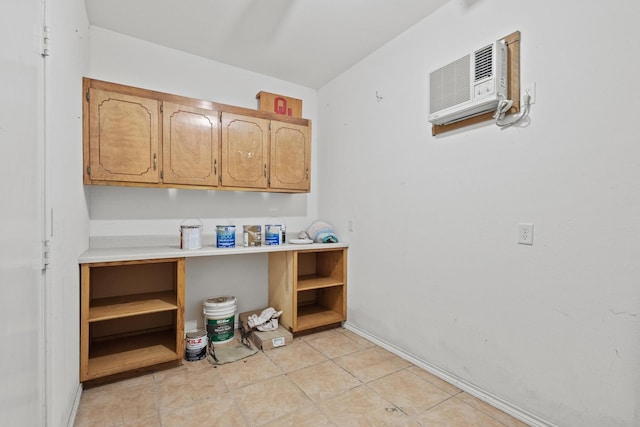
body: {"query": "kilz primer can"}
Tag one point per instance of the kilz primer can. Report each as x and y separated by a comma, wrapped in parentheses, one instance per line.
(195, 346)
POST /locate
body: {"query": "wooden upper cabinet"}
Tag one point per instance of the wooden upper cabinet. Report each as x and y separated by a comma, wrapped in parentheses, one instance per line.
(142, 138)
(189, 145)
(123, 137)
(290, 156)
(244, 151)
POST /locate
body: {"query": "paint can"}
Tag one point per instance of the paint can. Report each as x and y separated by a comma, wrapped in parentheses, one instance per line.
(190, 235)
(219, 316)
(272, 234)
(195, 346)
(251, 235)
(226, 236)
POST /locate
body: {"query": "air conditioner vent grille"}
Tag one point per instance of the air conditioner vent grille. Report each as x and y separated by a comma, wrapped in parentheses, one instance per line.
(450, 85)
(484, 63)
(470, 86)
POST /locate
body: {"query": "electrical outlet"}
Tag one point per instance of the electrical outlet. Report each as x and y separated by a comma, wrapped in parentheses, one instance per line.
(190, 325)
(531, 90)
(525, 234)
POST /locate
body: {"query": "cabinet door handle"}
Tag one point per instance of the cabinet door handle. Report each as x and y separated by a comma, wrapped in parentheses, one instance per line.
(265, 169)
(307, 173)
(155, 161)
(215, 166)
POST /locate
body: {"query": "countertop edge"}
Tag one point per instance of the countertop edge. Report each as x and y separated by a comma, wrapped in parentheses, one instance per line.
(115, 254)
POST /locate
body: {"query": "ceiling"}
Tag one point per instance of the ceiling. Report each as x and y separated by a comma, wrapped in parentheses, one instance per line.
(308, 42)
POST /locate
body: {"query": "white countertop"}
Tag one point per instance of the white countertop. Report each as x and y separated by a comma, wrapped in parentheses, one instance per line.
(133, 253)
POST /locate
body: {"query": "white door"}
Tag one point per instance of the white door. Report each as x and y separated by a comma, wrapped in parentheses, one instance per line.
(21, 215)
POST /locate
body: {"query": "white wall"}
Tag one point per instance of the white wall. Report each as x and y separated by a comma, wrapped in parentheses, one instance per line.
(118, 211)
(126, 211)
(21, 213)
(67, 213)
(42, 199)
(553, 328)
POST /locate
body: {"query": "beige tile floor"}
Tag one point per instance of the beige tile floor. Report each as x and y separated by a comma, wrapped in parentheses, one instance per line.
(331, 378)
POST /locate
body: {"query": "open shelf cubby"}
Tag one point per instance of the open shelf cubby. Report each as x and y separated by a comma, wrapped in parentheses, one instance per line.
(131, 315)
(310, 287)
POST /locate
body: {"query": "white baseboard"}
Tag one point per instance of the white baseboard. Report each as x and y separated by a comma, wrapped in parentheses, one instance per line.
(463, 385)
(76, 405)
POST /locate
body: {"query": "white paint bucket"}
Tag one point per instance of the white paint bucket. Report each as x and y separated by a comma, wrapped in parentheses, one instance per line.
(191, 236)
(219, 315)
(195, 346)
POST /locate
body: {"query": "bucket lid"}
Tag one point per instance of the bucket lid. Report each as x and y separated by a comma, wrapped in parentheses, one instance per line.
(219, 301)
(196, 334)
(191, 226)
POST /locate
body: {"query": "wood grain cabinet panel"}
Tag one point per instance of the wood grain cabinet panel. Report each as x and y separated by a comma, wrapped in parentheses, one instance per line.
(310, 287)
(190, 145)
(123, 137)
(290, 156)
(245, 142)
(142, 138)
(131, 316)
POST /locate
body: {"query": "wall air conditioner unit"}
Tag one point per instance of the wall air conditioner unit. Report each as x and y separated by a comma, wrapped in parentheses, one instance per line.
(470, 86)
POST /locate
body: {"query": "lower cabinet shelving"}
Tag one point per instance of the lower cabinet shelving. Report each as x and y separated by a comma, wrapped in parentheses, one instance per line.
(131, 315)
(132, 312)
(309, 286)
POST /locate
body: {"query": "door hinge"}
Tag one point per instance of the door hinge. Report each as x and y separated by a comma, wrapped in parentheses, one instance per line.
(45, 41)
(88, 170)
(161, 108)
(46, 255)
(87, 95)
(162, 174)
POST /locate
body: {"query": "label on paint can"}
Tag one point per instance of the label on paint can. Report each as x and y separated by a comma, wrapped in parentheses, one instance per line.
(220, 330)
(190, 236)
(252, 235)
(272, 234)
(226, 236)
(195, 347)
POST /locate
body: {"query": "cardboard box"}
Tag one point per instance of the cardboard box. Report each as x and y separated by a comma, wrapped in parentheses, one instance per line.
(264, 340)
(271, 339)
(283, 105)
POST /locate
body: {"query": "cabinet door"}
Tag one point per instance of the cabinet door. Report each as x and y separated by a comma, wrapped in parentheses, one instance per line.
(244, 151)
(189, 145)
(290, 157)
(123, 137)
